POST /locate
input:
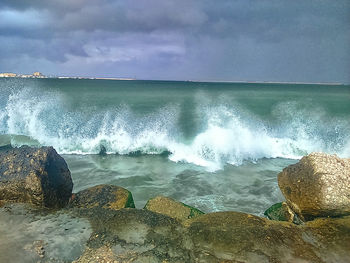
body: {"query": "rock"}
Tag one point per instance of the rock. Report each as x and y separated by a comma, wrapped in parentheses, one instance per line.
(172, 208)
(331, 235)
(282, 212)
(30, 233)
(317, 186)
(240, 237)
(34, 175)
(105, 196)
(102, 254)
(135, 235)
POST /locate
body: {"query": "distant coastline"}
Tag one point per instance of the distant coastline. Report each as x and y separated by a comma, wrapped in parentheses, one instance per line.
(39, 75)
(64, 77)
(42, 76)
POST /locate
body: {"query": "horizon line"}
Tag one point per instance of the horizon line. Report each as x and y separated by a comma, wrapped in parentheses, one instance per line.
(204, 81)
(188, 80)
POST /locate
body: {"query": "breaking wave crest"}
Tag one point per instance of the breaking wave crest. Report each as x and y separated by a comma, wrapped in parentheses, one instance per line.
(228, 134)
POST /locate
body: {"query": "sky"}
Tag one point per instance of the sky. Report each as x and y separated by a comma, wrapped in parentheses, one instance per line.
(229, 40)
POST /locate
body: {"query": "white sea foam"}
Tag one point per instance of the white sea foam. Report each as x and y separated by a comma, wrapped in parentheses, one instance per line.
(346, 151)
(3, 125)
(233, 141)
(225, 138)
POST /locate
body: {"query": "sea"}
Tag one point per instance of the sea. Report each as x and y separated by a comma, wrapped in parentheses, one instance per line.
(212, 145)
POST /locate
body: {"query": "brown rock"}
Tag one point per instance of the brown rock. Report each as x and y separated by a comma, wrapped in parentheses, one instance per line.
(103, 254)
(133, 235)
(105, 196)
(246, 238)
(170, 207)
(34, 175)
(317, 186)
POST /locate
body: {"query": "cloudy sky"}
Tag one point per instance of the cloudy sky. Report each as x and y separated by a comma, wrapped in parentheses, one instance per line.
(257, 40)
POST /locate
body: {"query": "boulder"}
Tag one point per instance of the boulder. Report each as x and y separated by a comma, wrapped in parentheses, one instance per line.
(105, 196)
(317, 186)
(170, 207)
(282, 212)
(134, 235)
(34, 175)
(240, 237)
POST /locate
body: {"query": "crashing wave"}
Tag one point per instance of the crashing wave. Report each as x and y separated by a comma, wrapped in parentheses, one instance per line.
(227, 136)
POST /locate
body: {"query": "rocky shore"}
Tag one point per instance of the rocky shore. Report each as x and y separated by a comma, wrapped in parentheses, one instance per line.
(101, 223)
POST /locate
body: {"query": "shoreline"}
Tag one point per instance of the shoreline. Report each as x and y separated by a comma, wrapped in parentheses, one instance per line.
(194, 81)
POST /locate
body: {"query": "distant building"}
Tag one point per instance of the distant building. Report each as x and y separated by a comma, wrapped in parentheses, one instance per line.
(38, 74)
(13, 75)
(8, 75)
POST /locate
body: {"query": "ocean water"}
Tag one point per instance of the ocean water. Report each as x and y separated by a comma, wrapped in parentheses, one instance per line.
(216, 146)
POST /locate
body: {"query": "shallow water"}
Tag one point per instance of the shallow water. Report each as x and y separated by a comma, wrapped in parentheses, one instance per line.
(250, 187)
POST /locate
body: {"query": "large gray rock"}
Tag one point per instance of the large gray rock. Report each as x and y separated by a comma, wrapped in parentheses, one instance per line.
(34, 175)
(317, 186)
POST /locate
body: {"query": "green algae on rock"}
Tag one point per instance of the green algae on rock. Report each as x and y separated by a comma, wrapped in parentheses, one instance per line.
(170, 207)
(38, 176)
(317, 186)
(282, 212)
(105, 196)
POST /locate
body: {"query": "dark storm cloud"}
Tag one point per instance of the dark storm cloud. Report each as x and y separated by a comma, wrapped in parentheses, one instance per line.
(243, 39)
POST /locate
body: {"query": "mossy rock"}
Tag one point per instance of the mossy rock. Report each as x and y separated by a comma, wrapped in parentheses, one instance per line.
(104, 196)
(282, 212)
(172, 208)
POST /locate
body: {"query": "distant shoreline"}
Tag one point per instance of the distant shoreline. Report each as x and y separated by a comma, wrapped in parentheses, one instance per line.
(91, 78)
(195, 81)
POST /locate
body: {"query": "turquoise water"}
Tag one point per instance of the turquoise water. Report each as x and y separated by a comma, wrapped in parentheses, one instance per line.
(218, 146)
